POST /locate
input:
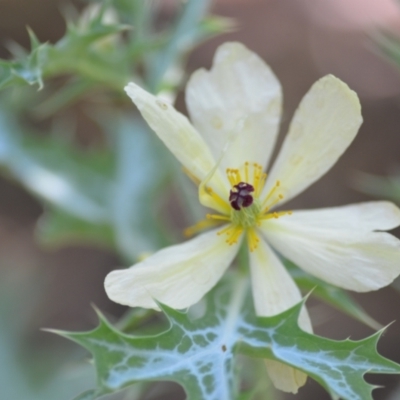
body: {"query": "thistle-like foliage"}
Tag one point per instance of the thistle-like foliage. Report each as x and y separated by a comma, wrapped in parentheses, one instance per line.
(201, 354)
(105, 46)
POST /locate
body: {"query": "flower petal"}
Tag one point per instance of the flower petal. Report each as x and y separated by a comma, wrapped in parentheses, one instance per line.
(274, 291)
(175, 131)
(361, 217)
(285, 378)
(240, 94)
(324, 125)
(338, 246)
(178, 276)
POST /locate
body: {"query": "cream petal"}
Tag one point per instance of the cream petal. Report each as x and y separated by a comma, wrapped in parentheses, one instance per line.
(340, 247)
(274, 291)
(324, 125)
(285, 378)
(175, 131)
(238, 100)
(360, 217)
(178, 276)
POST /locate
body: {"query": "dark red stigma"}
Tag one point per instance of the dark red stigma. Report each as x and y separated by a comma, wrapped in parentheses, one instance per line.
(240, 195)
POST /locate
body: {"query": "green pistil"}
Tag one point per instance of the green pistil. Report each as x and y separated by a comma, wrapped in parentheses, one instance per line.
(247, 216)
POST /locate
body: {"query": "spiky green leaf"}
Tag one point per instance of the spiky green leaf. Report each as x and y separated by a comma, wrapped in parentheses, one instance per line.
(26, 69)
(201, 354)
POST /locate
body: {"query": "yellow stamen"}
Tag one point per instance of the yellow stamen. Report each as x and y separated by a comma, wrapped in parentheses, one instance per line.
(238, 176)
(234, 176)
(218, 217)
(270, 194)
(256, 175)
(233, 238)
(199, 226)
(255, 184)
(230, 177)
(252, 239)
(275, 202)
(275, 215)
(261, 184)
(226, 230)
(244, 220)
(218, 199)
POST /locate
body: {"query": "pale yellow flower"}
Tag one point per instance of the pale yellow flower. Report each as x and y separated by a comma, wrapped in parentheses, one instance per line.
(235, 110)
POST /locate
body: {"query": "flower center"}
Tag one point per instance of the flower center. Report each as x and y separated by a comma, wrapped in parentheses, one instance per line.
(247, 217)
(245, 210)
(240, 196)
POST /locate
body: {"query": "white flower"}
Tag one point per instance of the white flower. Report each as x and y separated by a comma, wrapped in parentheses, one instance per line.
(235, 109)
